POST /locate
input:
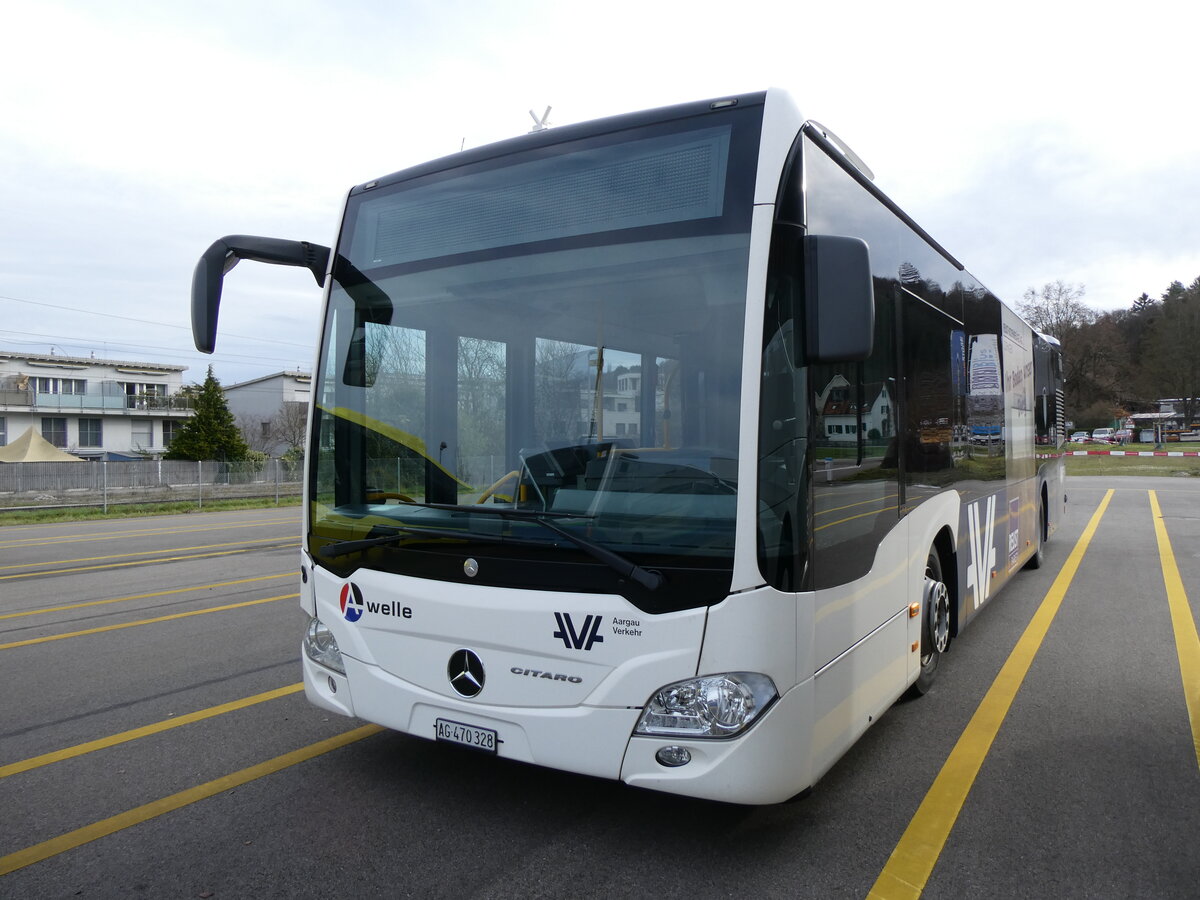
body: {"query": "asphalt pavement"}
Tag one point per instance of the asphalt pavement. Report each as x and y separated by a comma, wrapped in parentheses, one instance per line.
(155, 743)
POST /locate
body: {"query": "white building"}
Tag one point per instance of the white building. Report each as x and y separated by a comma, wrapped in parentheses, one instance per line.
(271, 411)
(840, 414)
(91, 407)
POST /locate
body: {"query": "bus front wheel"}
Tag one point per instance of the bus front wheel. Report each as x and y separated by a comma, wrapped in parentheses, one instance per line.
(935, 623)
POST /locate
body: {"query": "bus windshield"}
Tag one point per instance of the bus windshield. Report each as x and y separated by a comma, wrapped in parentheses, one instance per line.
(555, 332)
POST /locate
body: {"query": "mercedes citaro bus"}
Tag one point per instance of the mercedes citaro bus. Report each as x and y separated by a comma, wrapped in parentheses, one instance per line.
(662, 448)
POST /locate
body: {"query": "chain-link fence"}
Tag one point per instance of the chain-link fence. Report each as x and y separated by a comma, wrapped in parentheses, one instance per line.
(46, 485)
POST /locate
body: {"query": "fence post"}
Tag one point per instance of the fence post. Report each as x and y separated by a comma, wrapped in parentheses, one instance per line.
(276, 461)
(104, 467)
(199, 485)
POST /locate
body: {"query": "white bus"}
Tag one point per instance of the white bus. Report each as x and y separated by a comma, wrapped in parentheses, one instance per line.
(645, 448)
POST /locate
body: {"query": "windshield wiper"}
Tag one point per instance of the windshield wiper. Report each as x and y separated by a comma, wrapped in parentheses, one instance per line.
(627, 568)
(341, 548)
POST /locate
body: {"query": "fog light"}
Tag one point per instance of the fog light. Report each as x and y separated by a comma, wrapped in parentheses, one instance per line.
(673, 757)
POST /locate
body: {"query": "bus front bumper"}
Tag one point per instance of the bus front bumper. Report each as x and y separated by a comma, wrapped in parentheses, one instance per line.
(768, 763)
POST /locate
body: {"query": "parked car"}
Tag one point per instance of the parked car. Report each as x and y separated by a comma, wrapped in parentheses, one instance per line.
(1123, 435)
(1104, 436)
(1080, 437)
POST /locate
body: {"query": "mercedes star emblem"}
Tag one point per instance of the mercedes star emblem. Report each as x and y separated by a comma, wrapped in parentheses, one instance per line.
(466, 673)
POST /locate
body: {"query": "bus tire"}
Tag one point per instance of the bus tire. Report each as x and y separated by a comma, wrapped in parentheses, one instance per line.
(935, 624)
(1039, 554)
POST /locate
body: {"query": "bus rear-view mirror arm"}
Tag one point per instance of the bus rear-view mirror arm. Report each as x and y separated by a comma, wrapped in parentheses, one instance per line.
(223, 255)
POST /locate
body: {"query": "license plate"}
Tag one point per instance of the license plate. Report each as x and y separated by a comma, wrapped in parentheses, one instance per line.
(484, 739)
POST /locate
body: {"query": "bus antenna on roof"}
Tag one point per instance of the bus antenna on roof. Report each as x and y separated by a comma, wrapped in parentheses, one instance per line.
(540, 124)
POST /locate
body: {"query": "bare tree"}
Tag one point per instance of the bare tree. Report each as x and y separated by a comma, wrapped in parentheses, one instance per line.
(286, 429)
(290, 424)
(257, 434)
(1096, 366)
(560, 375)
(1057, 309)
(481, 394)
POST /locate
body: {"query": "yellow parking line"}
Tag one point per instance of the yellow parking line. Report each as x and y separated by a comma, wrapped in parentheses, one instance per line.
(1187, 643)
(183, 590)
(83, 537)
(196, 612)
(113, 824)
(36, 762)
(86, 559)
(912, 862)
(874, 512)
(123, 565)
(824, 512)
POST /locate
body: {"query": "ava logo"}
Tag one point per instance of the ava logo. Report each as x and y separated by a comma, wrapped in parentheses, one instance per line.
(352, 602)
(578, 640)
(983, 550)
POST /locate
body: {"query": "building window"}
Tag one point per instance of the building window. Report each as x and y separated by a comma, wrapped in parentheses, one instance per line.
(143, 396)
(91, 432)
(3, 432)
(141, 434)
(54, 429)
(60, 385)
(170, 429)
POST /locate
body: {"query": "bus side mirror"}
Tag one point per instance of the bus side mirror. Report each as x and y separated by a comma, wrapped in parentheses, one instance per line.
(223, 255)
(839, 298)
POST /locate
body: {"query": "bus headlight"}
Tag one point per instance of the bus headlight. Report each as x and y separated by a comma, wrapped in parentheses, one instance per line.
(321, 647)
(712, 706)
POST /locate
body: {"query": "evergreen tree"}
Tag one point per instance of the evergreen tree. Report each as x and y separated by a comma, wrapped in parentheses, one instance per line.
(211, 433)
(1144, 304)
(1170, 345)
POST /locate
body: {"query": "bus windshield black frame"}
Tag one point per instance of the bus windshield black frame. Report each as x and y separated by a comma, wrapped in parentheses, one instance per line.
(556, 328)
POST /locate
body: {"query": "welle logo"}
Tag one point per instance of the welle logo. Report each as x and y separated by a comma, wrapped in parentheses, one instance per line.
(581, 639)
(983, 549)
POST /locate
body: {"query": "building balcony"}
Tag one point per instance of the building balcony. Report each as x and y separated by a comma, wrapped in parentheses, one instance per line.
(106, 400)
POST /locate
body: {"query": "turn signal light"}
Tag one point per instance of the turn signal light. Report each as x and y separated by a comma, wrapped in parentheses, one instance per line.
(914, 610)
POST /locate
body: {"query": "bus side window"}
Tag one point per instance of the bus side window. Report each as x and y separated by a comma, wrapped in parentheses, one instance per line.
(854, 474)
(782, 444)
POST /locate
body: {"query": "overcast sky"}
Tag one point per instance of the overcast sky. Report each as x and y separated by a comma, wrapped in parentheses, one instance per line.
(1036, 141)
